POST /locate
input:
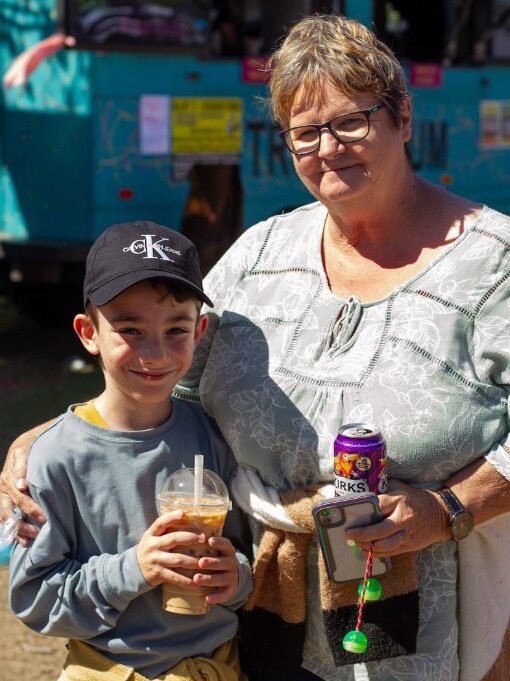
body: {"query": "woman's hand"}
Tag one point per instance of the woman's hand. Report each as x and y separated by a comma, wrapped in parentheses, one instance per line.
(13, 484)
(412, 519)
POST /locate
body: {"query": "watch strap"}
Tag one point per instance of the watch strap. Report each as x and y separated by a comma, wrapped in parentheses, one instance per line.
(461, 519)
(451, 501)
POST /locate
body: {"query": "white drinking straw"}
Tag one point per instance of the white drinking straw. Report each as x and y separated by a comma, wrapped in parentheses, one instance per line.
(198, 480)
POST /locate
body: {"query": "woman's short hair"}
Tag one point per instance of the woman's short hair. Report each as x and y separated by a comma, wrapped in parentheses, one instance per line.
(330, 48)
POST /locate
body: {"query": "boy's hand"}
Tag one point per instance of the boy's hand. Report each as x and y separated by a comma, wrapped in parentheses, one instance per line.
(155, 554)
(222, 571)
(159, 563)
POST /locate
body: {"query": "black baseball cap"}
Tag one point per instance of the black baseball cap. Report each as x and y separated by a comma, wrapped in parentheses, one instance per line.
(130, 252)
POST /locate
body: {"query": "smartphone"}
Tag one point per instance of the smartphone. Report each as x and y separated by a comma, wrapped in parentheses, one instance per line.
(332, 517)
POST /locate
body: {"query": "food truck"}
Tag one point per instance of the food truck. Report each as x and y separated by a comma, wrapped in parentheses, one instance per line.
(157, 111)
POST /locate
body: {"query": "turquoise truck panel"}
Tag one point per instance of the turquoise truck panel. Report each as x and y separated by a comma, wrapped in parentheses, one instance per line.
(70, 159)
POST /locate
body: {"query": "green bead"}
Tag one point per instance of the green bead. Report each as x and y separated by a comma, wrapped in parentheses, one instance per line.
(355, 642)
(374, 589)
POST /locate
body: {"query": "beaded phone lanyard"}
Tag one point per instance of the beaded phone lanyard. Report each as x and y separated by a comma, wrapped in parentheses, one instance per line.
(370, 589)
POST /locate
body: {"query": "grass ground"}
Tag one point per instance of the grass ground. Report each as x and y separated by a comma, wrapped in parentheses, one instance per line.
(36, 383)
(26, 656)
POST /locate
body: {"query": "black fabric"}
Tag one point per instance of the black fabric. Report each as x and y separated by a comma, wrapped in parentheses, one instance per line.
(299, 675)
(391, 626)
(270, 644)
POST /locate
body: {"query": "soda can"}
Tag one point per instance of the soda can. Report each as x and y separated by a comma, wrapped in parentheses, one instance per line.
(360, 460)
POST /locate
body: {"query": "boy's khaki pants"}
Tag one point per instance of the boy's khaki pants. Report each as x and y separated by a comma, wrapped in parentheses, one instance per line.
(84, 663)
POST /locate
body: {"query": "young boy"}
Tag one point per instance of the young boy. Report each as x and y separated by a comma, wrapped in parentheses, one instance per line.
(93, 573)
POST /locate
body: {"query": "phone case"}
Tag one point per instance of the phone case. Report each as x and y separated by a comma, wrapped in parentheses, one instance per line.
(332, 517)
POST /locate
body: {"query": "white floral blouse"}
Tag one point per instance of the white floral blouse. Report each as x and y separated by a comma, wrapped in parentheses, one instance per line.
(285, 362)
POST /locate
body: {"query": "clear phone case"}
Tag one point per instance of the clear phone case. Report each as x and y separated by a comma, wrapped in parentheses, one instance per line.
(332, 517)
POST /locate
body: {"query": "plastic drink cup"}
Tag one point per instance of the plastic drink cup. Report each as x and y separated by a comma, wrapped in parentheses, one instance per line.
(206, 517)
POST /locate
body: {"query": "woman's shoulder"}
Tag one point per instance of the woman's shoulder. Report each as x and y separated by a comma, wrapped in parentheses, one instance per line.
(494, 222)
(474, 222)
(270, 242)
(487, 238)
(467, 213)
(296, 219)
(287, 240)
(474, 269)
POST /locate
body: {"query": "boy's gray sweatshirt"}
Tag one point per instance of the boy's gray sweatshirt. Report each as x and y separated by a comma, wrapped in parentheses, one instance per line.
(80, 577)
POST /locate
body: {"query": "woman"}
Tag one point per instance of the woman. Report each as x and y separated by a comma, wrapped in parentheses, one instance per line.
(385, 301)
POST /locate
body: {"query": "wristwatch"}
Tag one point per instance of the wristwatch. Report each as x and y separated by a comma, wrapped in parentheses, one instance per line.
(461, 520)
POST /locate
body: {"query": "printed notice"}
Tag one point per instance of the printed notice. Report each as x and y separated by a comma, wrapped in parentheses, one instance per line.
(154, 117)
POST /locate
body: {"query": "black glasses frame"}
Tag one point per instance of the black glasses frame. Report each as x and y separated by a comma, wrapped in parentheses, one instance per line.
(320, 126)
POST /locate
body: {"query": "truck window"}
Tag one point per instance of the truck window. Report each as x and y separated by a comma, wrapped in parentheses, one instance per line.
(415, 31)
(446, 31)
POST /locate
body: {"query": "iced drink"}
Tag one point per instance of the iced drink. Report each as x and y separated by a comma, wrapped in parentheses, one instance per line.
(207, 518)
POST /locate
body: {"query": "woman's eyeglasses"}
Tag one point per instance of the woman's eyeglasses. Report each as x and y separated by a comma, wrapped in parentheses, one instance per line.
(347, 128)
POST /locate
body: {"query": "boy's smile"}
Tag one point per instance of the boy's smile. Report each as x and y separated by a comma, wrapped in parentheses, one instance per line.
(146, 340)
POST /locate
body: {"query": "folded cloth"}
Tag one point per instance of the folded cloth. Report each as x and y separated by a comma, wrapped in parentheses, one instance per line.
(85, 663)
(273, 619)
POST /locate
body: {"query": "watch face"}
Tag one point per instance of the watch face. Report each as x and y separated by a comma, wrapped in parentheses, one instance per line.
(461, 525)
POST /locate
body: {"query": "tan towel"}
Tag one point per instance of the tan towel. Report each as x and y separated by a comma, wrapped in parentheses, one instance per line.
(273, 619)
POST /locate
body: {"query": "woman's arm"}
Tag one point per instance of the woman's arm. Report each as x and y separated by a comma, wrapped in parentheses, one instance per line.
(484, 491)
(221, 284)
(13, 483)
(415, 518)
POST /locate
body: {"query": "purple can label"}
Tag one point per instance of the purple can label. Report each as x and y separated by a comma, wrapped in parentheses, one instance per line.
(360, 460)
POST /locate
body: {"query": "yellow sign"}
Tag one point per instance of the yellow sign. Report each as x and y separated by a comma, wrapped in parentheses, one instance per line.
(495, 123)
(206, 125)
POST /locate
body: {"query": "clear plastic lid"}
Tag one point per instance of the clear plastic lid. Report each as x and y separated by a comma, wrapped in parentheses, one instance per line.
(181, 485)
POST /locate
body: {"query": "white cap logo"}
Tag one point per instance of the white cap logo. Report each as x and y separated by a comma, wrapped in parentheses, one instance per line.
(152, 249)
